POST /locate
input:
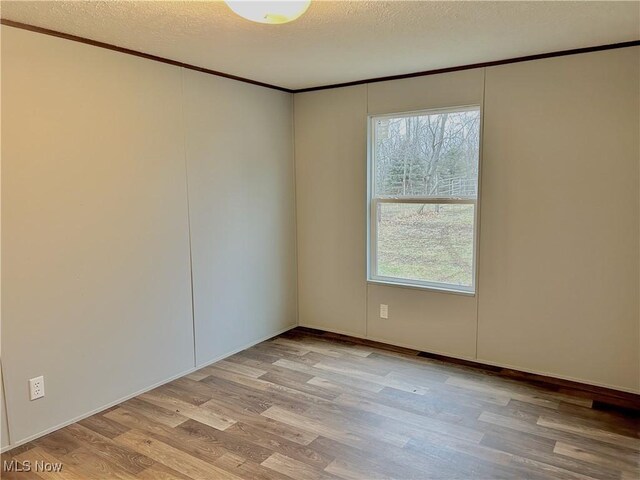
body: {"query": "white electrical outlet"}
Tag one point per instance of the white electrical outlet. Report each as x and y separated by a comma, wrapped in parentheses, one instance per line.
(384, 311)
(36, 388)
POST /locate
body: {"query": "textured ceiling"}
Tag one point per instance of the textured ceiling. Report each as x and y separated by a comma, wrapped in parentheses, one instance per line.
(338, 41)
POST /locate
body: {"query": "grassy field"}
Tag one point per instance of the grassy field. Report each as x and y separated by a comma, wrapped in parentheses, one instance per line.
(434, 244)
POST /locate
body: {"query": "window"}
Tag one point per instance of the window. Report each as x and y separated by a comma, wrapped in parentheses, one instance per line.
(423, 194)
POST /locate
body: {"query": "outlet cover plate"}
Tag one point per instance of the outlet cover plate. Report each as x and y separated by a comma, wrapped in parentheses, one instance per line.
(36, 388)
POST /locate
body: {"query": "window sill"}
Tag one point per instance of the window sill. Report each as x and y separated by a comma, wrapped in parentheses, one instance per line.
(450, 290)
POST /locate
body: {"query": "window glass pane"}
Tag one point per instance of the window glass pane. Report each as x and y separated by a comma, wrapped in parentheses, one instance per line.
(432, 243)
(433, 154)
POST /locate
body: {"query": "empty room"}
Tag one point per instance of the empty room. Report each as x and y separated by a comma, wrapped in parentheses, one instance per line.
(320, 240)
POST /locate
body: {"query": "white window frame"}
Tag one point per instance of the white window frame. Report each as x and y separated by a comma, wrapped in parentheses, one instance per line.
(373, 202)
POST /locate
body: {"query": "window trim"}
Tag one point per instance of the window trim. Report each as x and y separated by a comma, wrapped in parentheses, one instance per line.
(372, 206)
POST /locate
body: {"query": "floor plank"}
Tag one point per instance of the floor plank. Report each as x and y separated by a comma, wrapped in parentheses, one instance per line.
(305, 405)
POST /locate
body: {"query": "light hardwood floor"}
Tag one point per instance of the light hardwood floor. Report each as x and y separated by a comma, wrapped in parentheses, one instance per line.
(305, 406)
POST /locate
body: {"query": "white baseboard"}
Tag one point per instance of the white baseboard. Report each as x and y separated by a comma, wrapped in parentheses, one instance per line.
(140, 392)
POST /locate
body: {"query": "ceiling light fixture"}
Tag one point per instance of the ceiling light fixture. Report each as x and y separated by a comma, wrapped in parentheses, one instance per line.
(269, 12)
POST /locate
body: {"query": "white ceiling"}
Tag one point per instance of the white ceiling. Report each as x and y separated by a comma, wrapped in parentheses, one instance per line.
(338, 41)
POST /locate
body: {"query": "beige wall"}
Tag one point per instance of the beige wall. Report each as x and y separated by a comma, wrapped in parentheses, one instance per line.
(95, 224)
(242, 209)
(559, 246)
(95, 251)
(330, 128)
(4, 426)
(558, 259)
(331, 182)
(432, 321)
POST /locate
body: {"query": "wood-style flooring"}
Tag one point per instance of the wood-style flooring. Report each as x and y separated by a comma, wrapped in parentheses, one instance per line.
(305, 406)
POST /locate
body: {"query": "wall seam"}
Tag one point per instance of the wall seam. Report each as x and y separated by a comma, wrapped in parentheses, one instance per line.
(479, 207)
(4, 406)
(295, 205)
(186, 179)
(3, 390)
(368, 216)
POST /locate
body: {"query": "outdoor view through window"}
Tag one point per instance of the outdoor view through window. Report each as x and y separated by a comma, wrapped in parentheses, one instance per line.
(423, 198)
